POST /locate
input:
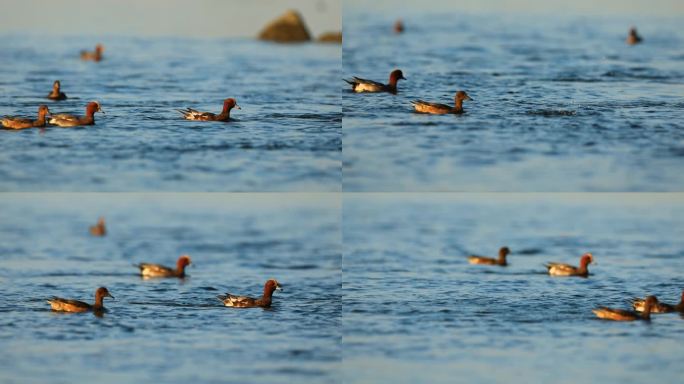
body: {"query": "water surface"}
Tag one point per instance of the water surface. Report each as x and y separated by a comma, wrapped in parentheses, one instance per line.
(561, 103)
(287, 137)
(416, 311)
(170, 330)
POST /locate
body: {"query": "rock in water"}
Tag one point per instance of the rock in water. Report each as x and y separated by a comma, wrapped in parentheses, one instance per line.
(288, 28)
(331, 37)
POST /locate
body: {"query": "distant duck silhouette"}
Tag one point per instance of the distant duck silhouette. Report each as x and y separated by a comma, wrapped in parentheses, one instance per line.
(69, 305)
(398, 26)
(559, 269)
(56, 93)
(633, 37)
(503, 252)
(421, 106)
(66, 120)
(624, 315)
(148, 270)
(363, 85)
(249, 302)
(99, 229)
(228, 104)
(93, 55)
(13, 122)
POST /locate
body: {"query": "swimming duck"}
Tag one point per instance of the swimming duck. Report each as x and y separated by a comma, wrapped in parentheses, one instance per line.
(94, 56)
(363, 85)
(228, 104)
(249, 302)
(398, 26)
(68, 305)
(56, 94)
(98, 229)
(640, 304)
(503, 251)
(558, 269)
(155, 270)
(440, 109)
(633, 37)
(624, 315)
(66, 120)
(12, 122)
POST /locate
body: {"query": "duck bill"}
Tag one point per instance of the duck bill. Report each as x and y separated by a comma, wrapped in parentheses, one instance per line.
(469, 98)
(279, 288)
(108, 295)
(237, 106)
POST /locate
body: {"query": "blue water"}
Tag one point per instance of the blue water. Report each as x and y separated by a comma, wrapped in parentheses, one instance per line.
(415, 310)
(287, 137)
(561, 103)
(170, 330)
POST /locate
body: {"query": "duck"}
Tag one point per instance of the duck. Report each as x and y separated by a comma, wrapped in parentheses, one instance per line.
(421, 106)
(559, 269)
(503, 251)
(633, 37)
(94, 55)
(250, 302)
(148, 270)
(56, 93)
(398, 26)
(98, 229)
(228, 104)
(362, 85)
(624, 315)
(66, 120)
(639, 305)
(11, 122)
(69, 305)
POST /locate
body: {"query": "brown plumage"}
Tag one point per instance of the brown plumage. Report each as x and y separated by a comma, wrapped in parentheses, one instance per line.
(640, 304)
(559, 269)
(421, 106)
(249, 302)
(99, 229)
(56, 93)
(624, 315)
(66, 120)
(633, 37)
(398, 26)
(363, 85)
(94, 55)
(228, 104)
(503, 251)
(69, 305)
(148, 270)
(11, 122)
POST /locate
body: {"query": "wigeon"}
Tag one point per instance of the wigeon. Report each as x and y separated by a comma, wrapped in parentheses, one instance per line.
(69, 305)
(624, 315)
(362, 85)
(503, 251)
(98, 229)
(148, 270)
(633, 37)
(56, 93)
(66, 120)
(441, 109)
(249, 302)
(228, 104)
(93, 56)
(398, 26)
(559, 269)
(640, 304)
(12, 122)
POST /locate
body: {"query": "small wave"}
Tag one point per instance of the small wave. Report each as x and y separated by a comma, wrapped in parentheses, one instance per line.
(551, 112)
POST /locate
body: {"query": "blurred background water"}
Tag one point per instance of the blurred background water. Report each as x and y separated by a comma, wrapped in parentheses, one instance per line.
(170, 330)
(561, 103)
(286, 137)
(415, 310)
